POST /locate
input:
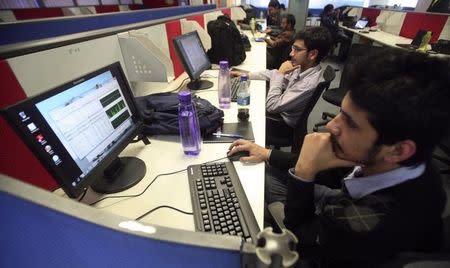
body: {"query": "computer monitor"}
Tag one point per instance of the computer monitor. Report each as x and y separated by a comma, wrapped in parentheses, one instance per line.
(190, 50)
(78, 129)
(361, 24)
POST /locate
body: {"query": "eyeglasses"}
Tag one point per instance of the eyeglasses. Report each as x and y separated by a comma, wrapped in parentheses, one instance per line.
(297, 49)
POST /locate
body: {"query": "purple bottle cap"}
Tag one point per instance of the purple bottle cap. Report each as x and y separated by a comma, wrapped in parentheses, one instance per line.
(244, 77)
(184, 95)
(223, 64)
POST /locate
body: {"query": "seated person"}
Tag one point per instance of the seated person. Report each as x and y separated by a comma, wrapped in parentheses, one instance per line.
(292, 84)
(389, 124)
(273, 20)
(330, 20)
(276, 45)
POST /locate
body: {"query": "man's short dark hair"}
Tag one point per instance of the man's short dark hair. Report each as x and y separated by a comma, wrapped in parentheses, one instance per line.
(290, 19)
(274, 4)
(328, 8)
(316, 38)
(407, 96)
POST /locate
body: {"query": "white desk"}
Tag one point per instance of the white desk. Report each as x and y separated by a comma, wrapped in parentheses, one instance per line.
(165, 155)
(383, 38)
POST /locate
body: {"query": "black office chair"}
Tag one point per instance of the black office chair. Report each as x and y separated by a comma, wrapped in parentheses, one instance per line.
(335, 95)
(279, 134)
(442, 155)
(277, 55)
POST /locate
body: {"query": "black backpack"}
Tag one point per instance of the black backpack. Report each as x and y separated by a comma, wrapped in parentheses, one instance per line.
(226, 42)
(160, 114)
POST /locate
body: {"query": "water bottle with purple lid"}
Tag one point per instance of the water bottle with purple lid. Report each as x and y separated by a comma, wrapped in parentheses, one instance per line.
(224, 85)
(188, 122)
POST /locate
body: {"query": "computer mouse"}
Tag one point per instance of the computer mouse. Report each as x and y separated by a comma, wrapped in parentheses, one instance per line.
(236, 156)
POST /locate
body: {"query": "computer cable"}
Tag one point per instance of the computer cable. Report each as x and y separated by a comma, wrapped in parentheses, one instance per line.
(157, 176)
(136, 195)
(82, 196)
(182, 83)
(163, 206)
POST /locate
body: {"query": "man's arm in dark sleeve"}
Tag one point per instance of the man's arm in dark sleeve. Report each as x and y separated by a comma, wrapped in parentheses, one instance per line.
(282, 160)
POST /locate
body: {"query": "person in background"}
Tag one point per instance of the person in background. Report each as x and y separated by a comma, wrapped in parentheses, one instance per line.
(330, 20)
(283, 9)
(291, 85)
(273, 21)
(287, 32)
(276, 45)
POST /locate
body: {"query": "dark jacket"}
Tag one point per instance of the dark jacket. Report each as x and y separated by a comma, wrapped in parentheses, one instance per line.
(344, 231)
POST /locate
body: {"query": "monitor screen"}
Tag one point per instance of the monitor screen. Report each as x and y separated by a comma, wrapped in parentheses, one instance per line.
(78, 129)
(190, 50)
(361, 24)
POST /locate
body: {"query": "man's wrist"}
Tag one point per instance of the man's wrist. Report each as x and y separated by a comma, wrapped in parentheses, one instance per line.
(305, 172)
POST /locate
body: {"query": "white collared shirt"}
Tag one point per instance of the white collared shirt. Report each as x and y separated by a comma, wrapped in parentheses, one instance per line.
(289, 94)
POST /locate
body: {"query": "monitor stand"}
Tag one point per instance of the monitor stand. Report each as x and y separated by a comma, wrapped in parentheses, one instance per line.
(121, 174)
(199, 84)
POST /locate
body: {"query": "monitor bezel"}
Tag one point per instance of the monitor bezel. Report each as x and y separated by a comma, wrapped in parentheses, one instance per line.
(177, 45)
(73, 192)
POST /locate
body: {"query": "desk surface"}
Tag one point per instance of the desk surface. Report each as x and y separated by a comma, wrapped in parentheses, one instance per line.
(165, 155)
(386, 39)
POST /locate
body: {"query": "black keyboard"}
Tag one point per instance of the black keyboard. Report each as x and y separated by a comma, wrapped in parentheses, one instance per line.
(219, 202)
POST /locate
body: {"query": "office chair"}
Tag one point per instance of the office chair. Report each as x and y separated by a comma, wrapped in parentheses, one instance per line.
(279, 134)
(444, 156)
(278, 55)
(335, 95)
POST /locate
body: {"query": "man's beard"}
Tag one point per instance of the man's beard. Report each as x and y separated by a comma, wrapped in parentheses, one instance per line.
(370, 158)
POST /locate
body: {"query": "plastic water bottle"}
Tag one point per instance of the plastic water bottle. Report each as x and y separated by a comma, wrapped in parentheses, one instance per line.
(253, 25)
(243, 99)
(424, 44)
(188, 123)
(224, 85)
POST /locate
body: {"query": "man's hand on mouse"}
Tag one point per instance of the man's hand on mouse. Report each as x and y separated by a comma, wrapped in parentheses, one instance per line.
(256, 153)
(235, 74)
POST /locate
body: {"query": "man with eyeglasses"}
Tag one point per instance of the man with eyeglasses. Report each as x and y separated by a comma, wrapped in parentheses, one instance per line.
(291, 86)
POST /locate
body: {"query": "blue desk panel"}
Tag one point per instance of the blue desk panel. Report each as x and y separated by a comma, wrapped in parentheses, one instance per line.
(38, 29)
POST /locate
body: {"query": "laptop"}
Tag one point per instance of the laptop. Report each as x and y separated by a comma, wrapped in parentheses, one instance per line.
(360, 24)
(415, 43)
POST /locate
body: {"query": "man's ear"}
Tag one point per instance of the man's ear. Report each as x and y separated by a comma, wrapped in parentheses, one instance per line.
(400, 151)
(313, 54)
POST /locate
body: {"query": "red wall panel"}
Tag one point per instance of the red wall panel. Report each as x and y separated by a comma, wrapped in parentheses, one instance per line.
(16, 160)
(173, 29)
(135, 6)
(434, 23)
(198, 18)
(37, 13)
(159, 3)
(371, 14)
(411, 24)
(227, 11)
(107, 9)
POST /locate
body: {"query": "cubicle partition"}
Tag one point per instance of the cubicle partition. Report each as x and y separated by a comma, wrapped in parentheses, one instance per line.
(30, 68)
(406, 23)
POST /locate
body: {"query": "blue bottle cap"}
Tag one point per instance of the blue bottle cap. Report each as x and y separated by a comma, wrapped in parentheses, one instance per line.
(223, 64)
(244, 77)
(184, 95)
